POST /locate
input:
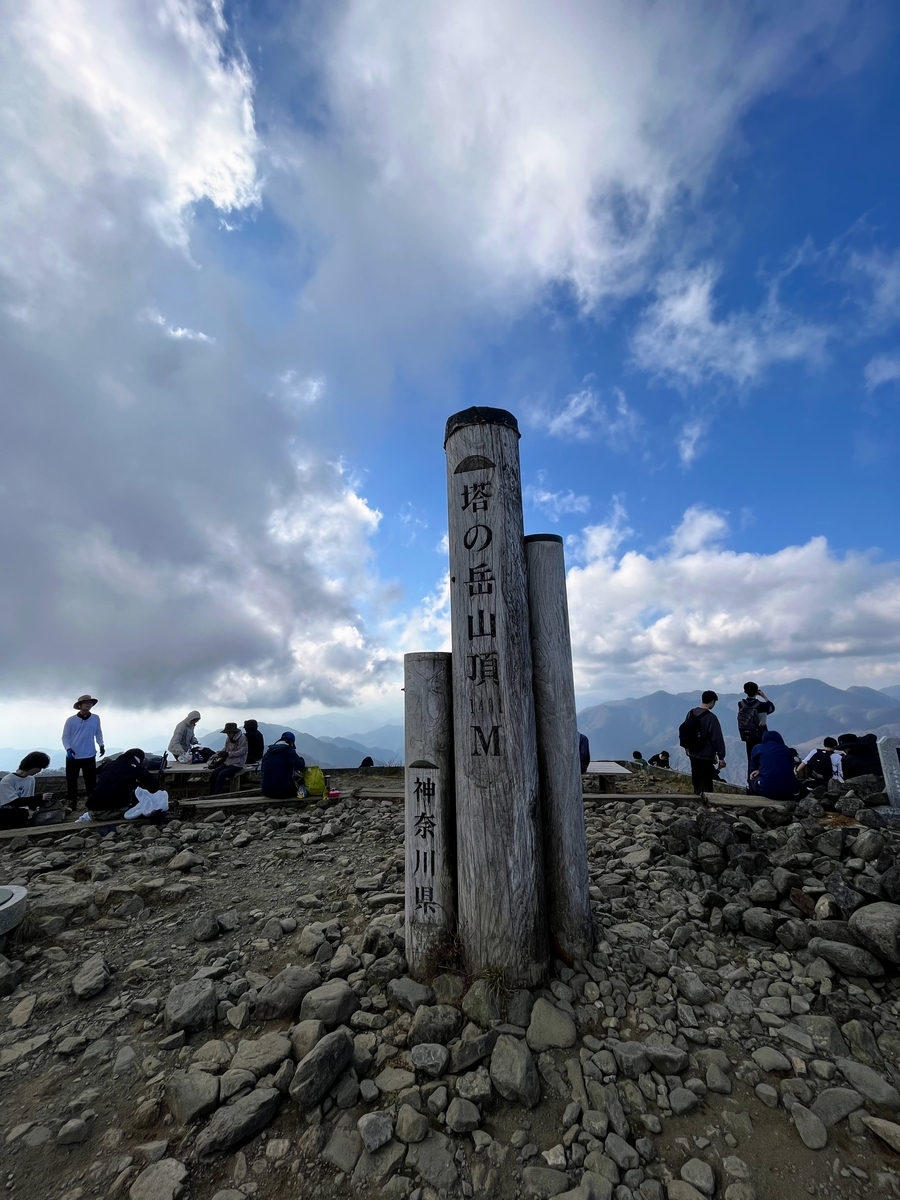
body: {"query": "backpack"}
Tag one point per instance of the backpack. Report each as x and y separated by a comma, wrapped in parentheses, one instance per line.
(820, 765)
(314, 781)
(748, 720)
(690, 733)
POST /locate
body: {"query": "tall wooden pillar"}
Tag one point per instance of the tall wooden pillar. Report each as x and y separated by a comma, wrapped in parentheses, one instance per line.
(430, 811)
(502, 921)
(565, 841)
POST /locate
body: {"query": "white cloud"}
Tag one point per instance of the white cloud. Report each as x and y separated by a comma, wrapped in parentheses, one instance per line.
(884, 368)
(152, 317)
(878, 271)
(689, 439)
(553, 504)
(697, 614)
(297, 388)
(681, 338)
(584, 417)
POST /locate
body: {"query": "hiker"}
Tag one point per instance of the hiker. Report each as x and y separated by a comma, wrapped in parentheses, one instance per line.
(639, 760)
(584, 752)
(256, 744)
(230, 759)
(660, 760)
(183, 739)
(753, 711)
(367, 762)
(280, 764)
(772, 769)
(80, 733)
(116, 781)
(860, 755)
(822, 764)
(700, 734)
(17, 801)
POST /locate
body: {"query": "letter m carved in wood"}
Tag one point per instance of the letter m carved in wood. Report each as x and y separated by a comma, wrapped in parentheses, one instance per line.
(490, 743)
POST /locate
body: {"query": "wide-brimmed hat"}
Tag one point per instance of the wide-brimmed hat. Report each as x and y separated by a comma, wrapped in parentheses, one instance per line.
(230, 727)
(87, 698)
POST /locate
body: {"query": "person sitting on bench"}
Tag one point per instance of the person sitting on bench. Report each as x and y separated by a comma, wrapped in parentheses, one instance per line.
(17, 802)
(280, 764)
(229, 761)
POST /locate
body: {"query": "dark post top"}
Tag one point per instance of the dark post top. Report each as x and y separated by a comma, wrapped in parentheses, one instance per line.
(480, 416)
(543, 537)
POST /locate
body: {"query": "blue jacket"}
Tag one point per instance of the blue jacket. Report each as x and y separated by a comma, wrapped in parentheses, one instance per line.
(279, 763)
(775, 763)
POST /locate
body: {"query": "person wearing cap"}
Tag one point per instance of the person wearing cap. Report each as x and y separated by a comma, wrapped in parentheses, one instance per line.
(280, 764)
(183, 738)
(230, 759)
(81, 735)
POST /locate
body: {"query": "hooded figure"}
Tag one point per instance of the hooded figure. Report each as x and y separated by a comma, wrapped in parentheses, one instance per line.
(860, 755)
(116, 781)
(279, 765)
(183, 737)
(256, 745)
(772, 769)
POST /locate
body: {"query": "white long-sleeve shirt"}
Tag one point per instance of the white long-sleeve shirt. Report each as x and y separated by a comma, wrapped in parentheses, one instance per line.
(80, 734)
(837, 763)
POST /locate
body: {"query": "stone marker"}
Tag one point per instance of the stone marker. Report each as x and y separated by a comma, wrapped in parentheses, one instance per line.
(889, 753)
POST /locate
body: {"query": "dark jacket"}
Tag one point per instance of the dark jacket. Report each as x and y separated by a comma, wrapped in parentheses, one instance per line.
(762, 708)
(775, 763)
(279, 763)
(256, 743)
(584, 752)
(713, 744)
(117, 780)
(860, 755)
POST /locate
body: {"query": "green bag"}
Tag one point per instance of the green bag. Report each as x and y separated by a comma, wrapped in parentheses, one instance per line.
(314, 781)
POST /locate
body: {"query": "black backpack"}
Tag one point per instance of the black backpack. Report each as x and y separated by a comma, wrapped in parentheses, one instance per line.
(690, 733)
(820, 765)
(748, 720)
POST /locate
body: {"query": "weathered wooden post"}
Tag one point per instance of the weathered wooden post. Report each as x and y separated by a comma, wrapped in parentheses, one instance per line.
(565, 841)
(502, 920)
(430, 810)
(889, 753)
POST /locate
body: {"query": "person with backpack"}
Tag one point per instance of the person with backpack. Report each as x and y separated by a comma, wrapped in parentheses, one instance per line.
(700, 736)
(822, 765)
(752, 714)
(230, 759)
(772, 770)
(281, 765)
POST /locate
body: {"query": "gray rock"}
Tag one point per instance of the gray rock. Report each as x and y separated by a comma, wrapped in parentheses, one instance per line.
(409, 994)
(595, 1123)
(834, 1104)
(680, 1189)
(793, 934)
(191, 1095)
(376, 1129)
(433, 1159)
(191, 1006)
(877, 927)
(304, 1036)
(163, 1180)
(430, 1057)
(470, 1050)
(91, 978)
(518, 1007)
(824, 1033)
(544, 1182)
(596, 1186)
(514, 1072)
(10, 974)
(888, 1131)
(475, 1086)
(205, 928)
(851, 960)
(235, 1123)
(665, 1058)
(373, 1171)
(717, 1081)
(872, 1085)
(550, 1028)
(412, 1126)
(759, 923)
(812, 1132)
(462, 1115)
(343, 1149)
(320, 1069)
(623, 1155)
(73, 1133)
(263, 1056)
(448, 989)
(682, 1101)
(284, 992)
(763, 891)
(480, 1004)
(333, 1004)
(632, 1058)
(434, 1023)
(769, 1059)
(699, 1174)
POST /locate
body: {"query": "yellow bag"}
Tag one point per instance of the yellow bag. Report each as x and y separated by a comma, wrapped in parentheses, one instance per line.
(314, 781)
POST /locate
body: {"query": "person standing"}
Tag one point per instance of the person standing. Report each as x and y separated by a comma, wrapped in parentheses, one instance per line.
(81, 737)
(700, 734)
(231, 758)
(584, 752)
(752, 714)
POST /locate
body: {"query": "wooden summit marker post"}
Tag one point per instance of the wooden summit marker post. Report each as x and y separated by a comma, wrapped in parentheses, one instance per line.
(430, 810)
(565, 841)
(502, 920)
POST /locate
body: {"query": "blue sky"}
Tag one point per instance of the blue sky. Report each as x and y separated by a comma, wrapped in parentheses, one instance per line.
(255, 254)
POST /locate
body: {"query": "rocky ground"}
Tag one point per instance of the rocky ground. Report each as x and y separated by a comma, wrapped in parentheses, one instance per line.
(219, 1009)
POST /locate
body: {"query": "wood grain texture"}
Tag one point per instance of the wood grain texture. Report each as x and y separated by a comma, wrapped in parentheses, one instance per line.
(502, 919)
(565, 840)
(430, 810)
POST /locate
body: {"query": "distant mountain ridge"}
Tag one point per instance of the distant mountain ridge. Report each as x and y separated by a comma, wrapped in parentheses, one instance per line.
(806, 710)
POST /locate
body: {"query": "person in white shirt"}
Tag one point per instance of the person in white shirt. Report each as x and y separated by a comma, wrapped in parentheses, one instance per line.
(815, 766)
(17, 789)
(81, 734)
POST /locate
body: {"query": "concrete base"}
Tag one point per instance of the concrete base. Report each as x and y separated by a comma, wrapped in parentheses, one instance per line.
(12, 907)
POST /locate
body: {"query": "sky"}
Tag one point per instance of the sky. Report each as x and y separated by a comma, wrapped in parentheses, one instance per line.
(253, 255)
